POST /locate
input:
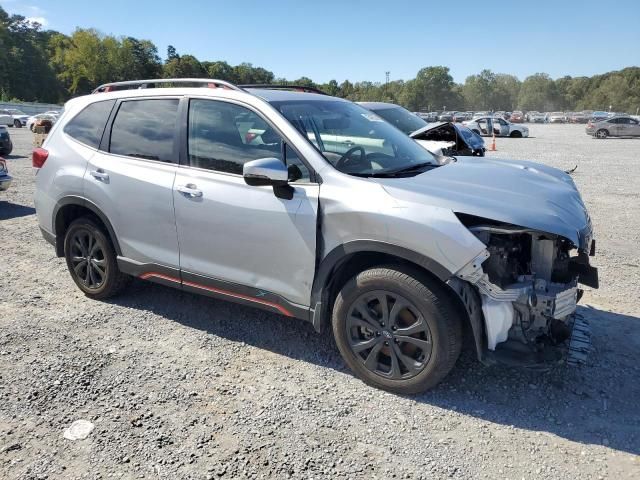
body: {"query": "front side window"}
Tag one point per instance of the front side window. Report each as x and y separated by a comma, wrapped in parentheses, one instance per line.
(145, 129)
(353, 139)
(87, 127)
(224, 136)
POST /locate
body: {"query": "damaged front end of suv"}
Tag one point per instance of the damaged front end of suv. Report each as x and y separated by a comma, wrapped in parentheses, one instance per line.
(529, 238)
(526, 285)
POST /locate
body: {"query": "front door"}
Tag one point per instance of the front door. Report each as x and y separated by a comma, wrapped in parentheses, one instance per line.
(131, 181)
(237, 240)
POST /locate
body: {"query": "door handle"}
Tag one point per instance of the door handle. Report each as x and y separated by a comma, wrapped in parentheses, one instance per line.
(99, 174)
(189, 190)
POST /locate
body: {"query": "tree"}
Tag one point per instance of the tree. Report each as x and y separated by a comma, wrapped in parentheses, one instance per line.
(507, 89)
(539, 92)
(186, 66)
(171, 53)
(479, 91)
(432, 88)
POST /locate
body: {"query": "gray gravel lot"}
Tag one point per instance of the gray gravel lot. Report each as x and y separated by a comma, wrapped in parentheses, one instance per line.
(182, 386)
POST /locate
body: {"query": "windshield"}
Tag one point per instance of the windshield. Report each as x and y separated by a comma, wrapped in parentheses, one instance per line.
(401, 119)
(16, 112)
(353, 139)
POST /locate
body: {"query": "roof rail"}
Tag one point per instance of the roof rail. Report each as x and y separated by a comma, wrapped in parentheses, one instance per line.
(135, 84)
(297, 88)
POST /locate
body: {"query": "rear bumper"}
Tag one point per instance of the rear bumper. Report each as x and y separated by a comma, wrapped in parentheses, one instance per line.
(5, 182)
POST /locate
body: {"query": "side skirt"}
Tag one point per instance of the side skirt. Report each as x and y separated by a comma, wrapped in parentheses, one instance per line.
(212, 287)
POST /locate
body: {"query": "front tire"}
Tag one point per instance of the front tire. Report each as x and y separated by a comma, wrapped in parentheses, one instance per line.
(602, 133)
(17, 124)
(397, 329)
(91, 260)
(516, 134)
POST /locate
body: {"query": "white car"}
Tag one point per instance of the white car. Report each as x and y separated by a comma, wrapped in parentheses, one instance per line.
(536, 117)
(557, 117)
(31, 121)
(487, 126)
(13, 118)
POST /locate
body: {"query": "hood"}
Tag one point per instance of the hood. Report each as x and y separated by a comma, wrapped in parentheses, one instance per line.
(525, 194)
(437, 147)
(445, 135)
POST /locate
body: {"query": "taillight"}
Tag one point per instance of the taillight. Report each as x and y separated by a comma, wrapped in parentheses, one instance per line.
(38, 157)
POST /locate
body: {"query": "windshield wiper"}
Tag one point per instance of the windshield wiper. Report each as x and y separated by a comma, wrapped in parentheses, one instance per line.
(409, 169)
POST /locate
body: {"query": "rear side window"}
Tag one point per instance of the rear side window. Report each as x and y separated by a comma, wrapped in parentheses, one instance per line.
(87, 127)
(146, 129)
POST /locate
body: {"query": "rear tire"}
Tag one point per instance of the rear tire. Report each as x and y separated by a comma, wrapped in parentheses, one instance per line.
(7, 151)
(91, 259)
(397, 329)
(602, 133)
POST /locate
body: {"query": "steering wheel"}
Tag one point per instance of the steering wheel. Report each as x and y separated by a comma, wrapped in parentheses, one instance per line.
(347, 156)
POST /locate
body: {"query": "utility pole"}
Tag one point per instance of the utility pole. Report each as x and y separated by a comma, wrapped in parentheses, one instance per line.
(386, 75)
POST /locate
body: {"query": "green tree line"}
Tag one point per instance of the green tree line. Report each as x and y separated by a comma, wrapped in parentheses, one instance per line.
(48, 66)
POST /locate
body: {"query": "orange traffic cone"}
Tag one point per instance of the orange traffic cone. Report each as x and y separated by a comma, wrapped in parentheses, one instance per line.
(493, 148)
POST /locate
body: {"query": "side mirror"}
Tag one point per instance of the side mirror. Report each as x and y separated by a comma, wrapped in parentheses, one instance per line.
(265, 171)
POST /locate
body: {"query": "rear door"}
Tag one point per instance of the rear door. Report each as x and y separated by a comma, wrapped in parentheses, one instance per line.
(237, 240)
(613, 126)
(131, 178)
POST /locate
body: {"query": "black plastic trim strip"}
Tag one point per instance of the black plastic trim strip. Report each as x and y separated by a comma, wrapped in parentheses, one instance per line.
(212, 287)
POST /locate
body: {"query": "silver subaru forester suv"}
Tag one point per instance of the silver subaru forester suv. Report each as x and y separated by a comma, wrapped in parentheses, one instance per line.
(313, 207)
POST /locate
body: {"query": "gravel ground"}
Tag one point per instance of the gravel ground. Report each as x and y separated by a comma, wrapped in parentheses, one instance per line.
(182, 386)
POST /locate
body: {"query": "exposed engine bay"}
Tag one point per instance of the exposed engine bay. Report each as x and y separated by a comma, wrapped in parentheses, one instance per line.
(527, 284)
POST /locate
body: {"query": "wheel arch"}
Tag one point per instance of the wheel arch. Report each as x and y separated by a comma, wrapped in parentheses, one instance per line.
(68, 209)
(349, 259)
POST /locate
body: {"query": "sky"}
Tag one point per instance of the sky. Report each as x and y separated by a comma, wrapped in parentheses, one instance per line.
(361, 40)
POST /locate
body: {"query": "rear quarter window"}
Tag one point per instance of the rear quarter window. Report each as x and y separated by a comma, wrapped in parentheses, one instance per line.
(88, 126)
(146, 129)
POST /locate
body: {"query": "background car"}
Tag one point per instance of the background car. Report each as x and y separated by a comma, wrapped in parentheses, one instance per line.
(517, 117)
(536, 117)
(487, 126)
(6, 146)
(5, 178)
(450, 139)
(620, 126)
(441, 138)
(446, 116)
(428, 116)
(598, 116)
(557, 117)
(578, 117)
(31, 122)
(18, 118)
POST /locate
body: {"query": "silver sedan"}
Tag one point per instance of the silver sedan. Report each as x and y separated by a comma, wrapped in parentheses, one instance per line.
(619, 126)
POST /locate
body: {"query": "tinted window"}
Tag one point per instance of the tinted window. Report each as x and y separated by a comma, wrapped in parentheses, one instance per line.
(145, 129)
(401, 119)
(87, 127)
(224, 136)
